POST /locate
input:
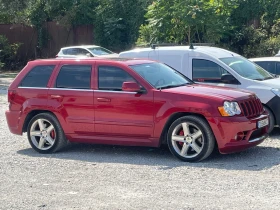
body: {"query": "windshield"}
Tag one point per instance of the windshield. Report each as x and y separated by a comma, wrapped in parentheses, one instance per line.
(160, 76)
(100, 51)
(246, 68)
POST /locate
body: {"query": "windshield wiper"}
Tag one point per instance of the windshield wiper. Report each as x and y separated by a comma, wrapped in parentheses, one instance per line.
(171, 86)
(266, 78)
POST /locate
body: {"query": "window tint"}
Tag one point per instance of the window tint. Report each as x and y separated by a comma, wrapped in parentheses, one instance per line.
(74, 77)
(277, 68)
(38, 77)
(267, 65)
(72, 51)
(207, 71)
(100, 51)
(112, 78)
(83, 52)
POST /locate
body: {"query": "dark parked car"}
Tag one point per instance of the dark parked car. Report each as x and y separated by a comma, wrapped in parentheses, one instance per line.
(130, 102)
(271, 64)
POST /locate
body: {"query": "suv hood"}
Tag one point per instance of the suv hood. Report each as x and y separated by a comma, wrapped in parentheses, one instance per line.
(209, 91)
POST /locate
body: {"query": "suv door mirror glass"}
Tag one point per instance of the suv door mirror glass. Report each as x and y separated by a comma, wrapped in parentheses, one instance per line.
(131, 87)
(228, 79)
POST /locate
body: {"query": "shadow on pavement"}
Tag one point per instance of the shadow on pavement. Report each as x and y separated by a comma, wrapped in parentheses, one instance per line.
(254, 159)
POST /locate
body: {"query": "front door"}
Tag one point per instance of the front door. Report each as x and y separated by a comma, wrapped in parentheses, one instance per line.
(119, 113)
(208, 72)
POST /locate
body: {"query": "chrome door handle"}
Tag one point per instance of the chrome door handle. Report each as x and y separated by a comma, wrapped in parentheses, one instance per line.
(103, 99)
(56, 96)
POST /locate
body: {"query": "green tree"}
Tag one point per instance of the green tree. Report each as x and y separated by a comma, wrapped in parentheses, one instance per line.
(185, 21)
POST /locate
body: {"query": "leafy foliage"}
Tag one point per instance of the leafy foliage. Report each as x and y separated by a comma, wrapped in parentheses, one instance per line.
(7, 52)
(250, 27)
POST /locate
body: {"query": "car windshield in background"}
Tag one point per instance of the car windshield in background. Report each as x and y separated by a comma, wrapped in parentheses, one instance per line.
(100, 51)
(246, 68)
(160, 76)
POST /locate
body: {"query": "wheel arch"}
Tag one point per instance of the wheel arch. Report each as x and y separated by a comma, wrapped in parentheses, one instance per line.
(274, 117)
(171, 119)
(30, 115)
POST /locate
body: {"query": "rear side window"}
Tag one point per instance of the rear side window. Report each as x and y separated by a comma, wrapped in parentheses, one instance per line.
(38, 77)
(74, 77)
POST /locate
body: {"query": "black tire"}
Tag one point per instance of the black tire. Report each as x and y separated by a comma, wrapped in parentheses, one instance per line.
(195, 124)
(271, 120)
(58, 139)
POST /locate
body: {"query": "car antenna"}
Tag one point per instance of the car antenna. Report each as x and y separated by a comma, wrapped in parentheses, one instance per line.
(153, 46)
(191, 46)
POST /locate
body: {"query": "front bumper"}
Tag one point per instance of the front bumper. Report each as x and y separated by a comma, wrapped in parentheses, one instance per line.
(274, 105)
(235, 134)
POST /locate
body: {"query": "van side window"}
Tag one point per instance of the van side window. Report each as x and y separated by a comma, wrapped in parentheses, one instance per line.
(207, 71)
(74, 77)
(112, 78)
(38, 76)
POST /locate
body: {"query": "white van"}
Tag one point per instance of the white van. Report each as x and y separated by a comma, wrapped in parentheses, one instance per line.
(216, 66)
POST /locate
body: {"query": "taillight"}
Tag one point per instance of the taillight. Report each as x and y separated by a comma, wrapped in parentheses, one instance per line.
(11, 95)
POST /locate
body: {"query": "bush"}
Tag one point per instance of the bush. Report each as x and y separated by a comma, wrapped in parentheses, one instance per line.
(8, 53)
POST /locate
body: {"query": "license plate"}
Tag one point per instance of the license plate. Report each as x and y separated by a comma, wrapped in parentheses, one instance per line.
(262, 123)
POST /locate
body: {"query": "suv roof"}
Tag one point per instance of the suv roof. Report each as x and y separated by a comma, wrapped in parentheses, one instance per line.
(206, 50)
(127, 61)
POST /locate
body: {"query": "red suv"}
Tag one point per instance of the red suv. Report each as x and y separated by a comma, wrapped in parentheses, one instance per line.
(130, 102)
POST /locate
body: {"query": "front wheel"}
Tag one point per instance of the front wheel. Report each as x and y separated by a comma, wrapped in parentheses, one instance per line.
(45, 134)
(271, 120)
(190, 138)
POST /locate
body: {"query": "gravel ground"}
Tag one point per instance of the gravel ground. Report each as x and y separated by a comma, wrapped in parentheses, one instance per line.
(114, 177)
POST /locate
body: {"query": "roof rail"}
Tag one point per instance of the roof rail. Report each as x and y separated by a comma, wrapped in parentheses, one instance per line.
(203, 44)
(153, 46)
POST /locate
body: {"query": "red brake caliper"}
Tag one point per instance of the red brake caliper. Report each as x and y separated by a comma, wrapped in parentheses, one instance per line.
(181, 133)
(53, 134)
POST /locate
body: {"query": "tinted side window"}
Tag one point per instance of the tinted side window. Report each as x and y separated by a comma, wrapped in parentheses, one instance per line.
(278, 68)
(74, 77)
(38, 77)
(267, 65)
(207, 71)
(72, 51)
(83, 52)
(112, 78)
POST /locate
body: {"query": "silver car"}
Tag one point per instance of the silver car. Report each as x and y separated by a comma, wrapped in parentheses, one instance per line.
(85, 51)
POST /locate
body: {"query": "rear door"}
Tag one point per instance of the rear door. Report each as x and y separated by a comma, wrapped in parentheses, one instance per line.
(119, 113)
(72, 97)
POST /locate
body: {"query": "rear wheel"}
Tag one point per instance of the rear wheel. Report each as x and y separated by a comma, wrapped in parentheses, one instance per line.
(271, 120)
(190, 138)
(45, 134)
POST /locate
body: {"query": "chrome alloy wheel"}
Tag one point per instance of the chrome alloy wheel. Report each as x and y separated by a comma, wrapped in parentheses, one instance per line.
(42, 134)
(187, 140)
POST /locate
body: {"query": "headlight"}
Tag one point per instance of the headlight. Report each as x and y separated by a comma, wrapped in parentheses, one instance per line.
(276, 91)
(230, 109)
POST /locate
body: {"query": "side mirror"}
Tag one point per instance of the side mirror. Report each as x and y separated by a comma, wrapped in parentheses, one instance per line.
(131, 87)
(229, 79)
